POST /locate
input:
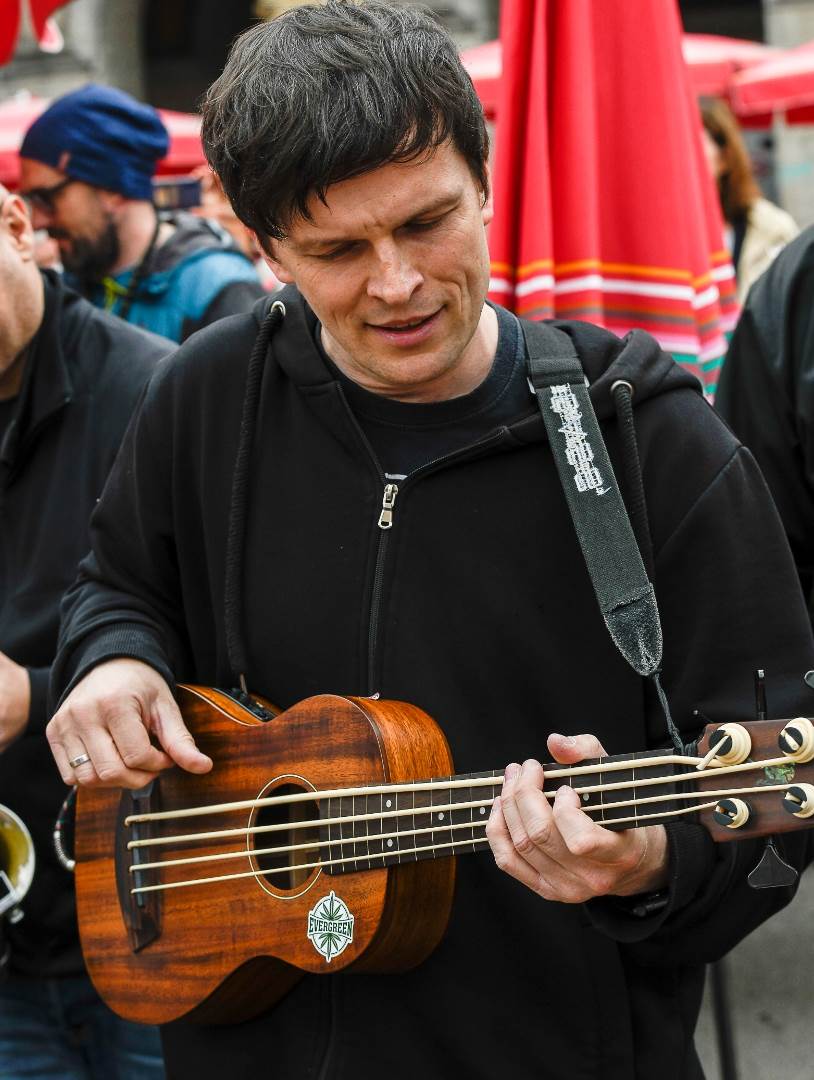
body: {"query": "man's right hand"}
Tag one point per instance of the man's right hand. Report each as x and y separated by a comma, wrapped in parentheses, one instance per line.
(110, 716)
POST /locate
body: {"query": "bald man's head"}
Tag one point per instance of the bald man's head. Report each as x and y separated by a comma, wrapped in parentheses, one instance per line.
(21, 291)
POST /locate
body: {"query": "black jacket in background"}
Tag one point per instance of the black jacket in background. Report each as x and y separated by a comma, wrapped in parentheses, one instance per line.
(483, 614)
(85, 372)
(766, 392)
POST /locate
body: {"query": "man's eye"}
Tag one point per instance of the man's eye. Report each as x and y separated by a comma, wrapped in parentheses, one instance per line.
(424, 226)
(336, 252)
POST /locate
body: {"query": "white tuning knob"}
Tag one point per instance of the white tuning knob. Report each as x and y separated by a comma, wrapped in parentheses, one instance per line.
(732, 813)
(732, 744)
(799, 800)
(796, 740)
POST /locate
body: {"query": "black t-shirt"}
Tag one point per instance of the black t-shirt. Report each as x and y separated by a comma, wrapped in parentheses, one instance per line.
(7, 410)
(406, 435)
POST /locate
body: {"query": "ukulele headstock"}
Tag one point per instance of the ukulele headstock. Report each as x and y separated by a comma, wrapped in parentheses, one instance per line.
(759, 776)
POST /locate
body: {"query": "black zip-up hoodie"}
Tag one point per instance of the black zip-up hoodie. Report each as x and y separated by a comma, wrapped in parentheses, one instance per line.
(476, 606)
(85, 371)
(766, 392)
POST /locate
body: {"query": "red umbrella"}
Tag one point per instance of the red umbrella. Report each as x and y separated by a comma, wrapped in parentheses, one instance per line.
(485, 65)
(784, 83)
(17, 115)
(41, 11)
(713, 61)
(605, 209)
(9, 28)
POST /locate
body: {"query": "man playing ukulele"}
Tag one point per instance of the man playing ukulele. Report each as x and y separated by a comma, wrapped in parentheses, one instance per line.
(351, 490)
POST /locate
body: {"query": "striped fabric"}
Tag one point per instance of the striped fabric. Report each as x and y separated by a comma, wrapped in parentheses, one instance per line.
(604, 207)
(691, 317)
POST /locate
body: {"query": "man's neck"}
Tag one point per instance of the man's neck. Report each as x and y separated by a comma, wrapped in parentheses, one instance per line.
(136, 227)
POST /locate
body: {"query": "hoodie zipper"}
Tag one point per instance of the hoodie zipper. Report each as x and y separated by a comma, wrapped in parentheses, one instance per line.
(385, 522)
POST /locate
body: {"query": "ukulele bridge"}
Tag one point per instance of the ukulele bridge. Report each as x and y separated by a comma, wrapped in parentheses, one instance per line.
(141, 912)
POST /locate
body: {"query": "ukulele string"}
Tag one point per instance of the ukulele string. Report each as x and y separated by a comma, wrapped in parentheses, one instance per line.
(369, 838)
(430, 848)
(495, 781)
(485, 780)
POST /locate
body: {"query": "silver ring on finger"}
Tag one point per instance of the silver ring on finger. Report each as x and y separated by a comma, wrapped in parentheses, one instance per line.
(83, 759)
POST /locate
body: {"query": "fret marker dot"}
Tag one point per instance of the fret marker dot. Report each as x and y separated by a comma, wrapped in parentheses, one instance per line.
(586, 797)
(388, 804)
(483, 810)
(440, 817)
(389, 843)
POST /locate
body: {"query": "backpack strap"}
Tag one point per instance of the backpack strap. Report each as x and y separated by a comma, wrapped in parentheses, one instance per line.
(624, 592)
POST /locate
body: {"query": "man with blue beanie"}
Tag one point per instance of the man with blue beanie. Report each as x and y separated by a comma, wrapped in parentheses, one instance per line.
(87, 165)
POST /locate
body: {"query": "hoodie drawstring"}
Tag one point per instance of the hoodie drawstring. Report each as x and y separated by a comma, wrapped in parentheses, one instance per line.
(622, 394)
(235, 538)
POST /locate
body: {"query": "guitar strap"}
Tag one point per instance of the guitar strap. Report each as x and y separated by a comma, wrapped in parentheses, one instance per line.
(623, 590)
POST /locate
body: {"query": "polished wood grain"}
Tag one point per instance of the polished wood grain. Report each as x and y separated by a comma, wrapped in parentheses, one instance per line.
(768, 816)
(225, 950)
(208, 933)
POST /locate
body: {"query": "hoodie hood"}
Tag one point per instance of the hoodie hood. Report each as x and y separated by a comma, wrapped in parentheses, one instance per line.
(637, 358)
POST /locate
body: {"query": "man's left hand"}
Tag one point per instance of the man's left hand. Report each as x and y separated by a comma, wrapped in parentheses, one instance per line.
(556, 849)
(15, 700)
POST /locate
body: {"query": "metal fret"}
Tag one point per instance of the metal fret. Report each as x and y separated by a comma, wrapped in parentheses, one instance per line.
(462, 837)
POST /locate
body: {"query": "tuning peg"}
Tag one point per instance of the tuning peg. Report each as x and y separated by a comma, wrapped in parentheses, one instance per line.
(799, 800)
(796, 740)
(772, 871)
(732, 813)
(808, 679)
(730, 744)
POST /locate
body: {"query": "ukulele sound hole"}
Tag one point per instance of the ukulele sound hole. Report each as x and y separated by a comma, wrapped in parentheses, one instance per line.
(296, 846)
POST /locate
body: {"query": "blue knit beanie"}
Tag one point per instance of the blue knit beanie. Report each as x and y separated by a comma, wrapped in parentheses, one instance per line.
(102, 136)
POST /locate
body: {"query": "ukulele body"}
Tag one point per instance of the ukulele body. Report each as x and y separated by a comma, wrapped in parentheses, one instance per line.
(225, 951)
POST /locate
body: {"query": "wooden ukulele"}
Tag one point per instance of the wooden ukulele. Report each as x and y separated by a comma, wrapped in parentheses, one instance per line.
(311, 845)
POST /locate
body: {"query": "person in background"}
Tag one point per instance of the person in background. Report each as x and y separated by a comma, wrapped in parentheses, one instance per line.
(70, 377)
(216, 207)
(756, 229)
(86, 169)
(766, 392)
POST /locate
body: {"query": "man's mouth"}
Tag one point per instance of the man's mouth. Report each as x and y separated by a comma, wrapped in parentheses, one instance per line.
(405, 327)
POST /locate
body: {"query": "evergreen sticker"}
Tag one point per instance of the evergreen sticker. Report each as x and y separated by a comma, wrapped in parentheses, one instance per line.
(330, 926)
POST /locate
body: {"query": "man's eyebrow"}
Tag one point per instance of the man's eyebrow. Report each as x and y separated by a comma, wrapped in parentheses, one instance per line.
(441, 205)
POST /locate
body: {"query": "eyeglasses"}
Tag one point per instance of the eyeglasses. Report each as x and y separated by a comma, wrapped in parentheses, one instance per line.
(44, 198)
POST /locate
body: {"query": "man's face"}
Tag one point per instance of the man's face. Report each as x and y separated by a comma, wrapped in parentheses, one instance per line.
(396, 268)
(77, 216)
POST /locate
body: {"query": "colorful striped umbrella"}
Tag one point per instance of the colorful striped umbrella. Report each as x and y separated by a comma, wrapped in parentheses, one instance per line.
(605, 210)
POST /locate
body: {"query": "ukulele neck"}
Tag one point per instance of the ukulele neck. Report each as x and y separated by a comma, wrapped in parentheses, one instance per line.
(444, 816)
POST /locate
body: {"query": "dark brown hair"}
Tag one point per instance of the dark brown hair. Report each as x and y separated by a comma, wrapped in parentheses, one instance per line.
(737, 187)
(327, 92)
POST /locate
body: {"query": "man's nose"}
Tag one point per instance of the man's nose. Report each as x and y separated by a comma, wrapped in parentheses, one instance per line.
(393, 278)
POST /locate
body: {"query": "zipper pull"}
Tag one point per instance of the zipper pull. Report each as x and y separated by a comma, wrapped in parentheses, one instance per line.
(388, 502)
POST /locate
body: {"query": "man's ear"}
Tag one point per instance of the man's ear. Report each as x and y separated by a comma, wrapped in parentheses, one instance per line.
(112, 201)
(488, 203)
(274, 259)
(16, 220)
